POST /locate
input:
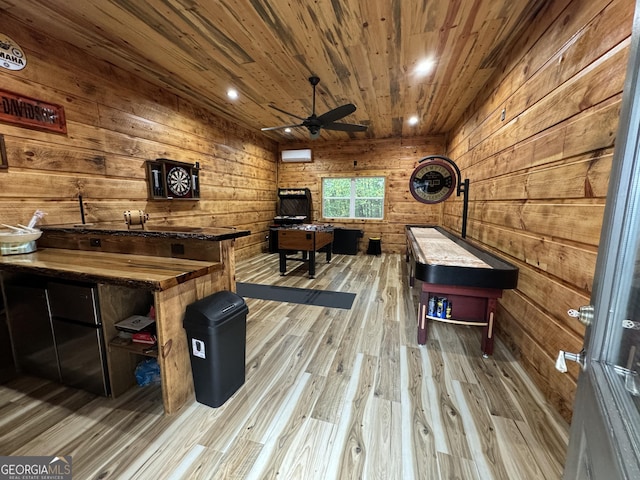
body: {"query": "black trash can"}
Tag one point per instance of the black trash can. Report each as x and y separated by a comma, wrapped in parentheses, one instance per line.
(216, 329)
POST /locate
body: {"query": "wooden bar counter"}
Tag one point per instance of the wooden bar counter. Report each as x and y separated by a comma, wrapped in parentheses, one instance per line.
(170, 267)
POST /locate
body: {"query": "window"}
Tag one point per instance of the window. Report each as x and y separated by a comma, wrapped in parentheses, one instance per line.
(360, 197)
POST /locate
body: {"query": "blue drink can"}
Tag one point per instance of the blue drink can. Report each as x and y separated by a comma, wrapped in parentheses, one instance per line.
(431, 309)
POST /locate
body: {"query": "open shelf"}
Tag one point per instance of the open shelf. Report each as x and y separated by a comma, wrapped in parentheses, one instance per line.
(137, 348)
(473, 323)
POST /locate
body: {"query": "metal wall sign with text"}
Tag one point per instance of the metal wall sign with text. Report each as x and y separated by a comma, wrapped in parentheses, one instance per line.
(435, 179)
(29, 112)
(11, 55)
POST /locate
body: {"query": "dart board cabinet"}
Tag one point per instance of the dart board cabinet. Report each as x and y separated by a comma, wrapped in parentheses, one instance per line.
(170, 179)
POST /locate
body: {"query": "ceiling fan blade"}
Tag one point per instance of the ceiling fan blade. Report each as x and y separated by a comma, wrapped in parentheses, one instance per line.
(266, 129)
(337, 113)
(345, 127)
(327, 120)
(286, 113)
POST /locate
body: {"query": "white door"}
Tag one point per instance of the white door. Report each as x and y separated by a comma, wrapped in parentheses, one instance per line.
(605, 429)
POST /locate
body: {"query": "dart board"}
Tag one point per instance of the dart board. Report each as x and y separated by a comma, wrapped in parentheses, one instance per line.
(432, 182)
(179, 181)
(170, 179)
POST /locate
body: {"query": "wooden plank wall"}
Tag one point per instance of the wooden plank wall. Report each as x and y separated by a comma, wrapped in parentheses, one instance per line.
(115, 123)
(394, 159)
(539, 177)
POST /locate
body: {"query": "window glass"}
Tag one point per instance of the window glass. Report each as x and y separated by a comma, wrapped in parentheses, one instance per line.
(359, 197)
(336, 208)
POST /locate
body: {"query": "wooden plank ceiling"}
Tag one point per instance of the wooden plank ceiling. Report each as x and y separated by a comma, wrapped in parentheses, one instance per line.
(364, 51)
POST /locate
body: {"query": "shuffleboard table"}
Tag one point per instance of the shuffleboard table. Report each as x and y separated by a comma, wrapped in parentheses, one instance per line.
(306, 238)
(460, 282)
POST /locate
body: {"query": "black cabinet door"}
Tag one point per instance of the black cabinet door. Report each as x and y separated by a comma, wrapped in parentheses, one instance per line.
(31, 334)
(7, 365)
(82, 356)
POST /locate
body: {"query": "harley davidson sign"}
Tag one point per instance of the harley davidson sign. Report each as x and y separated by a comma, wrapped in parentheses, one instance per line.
(31, 113)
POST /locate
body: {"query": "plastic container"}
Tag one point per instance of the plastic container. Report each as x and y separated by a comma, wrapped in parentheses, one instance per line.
(15, 243)
(216, 329)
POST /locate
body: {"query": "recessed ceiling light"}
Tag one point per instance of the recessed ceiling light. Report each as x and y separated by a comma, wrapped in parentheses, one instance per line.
(287, 130)
(232, 94)
(413, 120)
(424, 67)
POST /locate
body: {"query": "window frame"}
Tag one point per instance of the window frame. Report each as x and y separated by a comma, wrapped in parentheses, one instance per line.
(352, 198)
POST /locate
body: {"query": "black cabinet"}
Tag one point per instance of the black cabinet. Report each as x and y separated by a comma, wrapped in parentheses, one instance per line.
(31, 331)
(56, 333)
(7, 365)
(345, 241)
(78, 335)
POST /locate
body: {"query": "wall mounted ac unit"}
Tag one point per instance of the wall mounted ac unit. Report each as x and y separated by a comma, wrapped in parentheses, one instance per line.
(303, 155)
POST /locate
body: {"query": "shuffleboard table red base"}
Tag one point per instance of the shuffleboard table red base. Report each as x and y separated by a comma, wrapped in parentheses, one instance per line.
(472, 306)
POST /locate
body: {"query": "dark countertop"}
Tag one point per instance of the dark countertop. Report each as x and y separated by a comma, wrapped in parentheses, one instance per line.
(150, 231)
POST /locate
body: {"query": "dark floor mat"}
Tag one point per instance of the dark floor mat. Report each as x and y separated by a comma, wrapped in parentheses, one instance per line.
(305, 296)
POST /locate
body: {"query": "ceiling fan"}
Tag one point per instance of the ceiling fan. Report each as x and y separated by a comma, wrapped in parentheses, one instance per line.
(328, 120)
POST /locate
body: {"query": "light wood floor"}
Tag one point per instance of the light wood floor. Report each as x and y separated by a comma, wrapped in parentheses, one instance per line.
(329, 393)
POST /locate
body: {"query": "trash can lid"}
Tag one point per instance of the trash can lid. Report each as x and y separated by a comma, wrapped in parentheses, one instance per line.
(214, 308)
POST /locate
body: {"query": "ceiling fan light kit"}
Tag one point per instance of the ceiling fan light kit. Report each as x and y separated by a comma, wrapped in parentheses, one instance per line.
(327, 121)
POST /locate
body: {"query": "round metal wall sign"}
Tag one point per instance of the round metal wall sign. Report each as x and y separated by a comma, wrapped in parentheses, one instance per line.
(11, 55)
(432, 182)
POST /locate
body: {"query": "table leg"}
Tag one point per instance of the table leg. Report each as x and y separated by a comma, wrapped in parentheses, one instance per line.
(412, 277)
(487, 333)
(422, 318)
(312, 263)
(283, 262)
(328, 253)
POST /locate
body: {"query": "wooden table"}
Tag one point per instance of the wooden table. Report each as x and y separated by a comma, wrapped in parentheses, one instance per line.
(470, 278)
(306, 238)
